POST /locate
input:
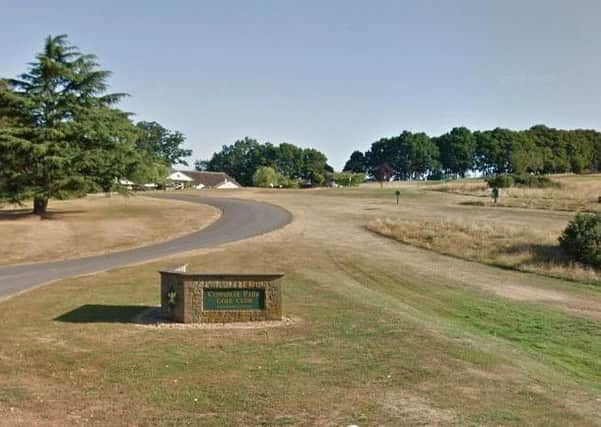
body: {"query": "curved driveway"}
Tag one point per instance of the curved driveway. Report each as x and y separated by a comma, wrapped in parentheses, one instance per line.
(240, 219)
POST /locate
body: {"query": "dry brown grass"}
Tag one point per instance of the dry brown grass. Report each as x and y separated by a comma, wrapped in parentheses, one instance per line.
(575, 193)
(502, 245)
(95, 225)
(387, 334)
(467, 187)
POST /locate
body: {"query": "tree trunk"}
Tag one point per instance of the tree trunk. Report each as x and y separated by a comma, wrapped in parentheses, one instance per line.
(40, 205)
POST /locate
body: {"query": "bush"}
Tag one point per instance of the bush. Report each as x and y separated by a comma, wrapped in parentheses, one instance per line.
(265, 176)
(500, 181)
(286, 182)
(343, 179)
(534, 181)
(520, 180)
(581, 239)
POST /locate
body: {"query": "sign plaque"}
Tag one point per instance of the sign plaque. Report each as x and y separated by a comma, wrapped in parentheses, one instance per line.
(233, 299)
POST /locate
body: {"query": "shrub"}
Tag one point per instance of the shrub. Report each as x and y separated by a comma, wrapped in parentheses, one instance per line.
(534, 181)
(581, 239)
(343, 179)
(500, 181)
(286, 182)
(265, 176)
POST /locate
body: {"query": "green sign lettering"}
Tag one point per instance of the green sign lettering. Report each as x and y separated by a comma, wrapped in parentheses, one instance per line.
(233, 299)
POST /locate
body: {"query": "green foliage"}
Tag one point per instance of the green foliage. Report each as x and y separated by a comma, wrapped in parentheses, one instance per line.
(145, 168)
(286, 182)
(581, 239)
(357, 163)
(409, 155)
(242, 159)
(109, 137)
(61, 136)
(162, 143)
(345, 179)
(314, 167)
(500, 181)
(538, 150)
(62, 127)
(534, 181)
(239, 160)
(457, 150)
(265, 176)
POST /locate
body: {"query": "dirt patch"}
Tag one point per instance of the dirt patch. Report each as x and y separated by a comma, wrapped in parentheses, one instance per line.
(414, 410)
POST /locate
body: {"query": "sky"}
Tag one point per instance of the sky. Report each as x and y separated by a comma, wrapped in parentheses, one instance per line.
(333, 75)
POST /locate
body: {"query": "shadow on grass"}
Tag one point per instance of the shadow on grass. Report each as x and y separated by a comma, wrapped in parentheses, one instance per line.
(473, 203)
(15, 214)
(540, 254)
(97, 313)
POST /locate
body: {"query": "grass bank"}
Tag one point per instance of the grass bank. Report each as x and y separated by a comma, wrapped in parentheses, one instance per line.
(490, 243)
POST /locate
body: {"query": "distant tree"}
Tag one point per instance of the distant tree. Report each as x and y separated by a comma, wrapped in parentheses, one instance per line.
(410, 155)
(265, 176)
(552, 148)
(245, 156)
(383, 173)
(526, 155)
(288, 160)
(201, 165)
(315, 166)
(357, 163)
(109, 137)
(240, 160)
(60, 127)
(162, 143)
(422, 154)
(537, 150)
(494, 149)
(457, 150)
(145, 168)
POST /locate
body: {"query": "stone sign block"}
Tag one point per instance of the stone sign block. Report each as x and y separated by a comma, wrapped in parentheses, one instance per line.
(220, 298)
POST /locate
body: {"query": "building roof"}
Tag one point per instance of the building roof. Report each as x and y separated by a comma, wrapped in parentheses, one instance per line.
(180, 176)
(210, 179)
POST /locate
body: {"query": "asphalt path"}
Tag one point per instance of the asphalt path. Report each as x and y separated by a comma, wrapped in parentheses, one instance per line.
(240, 219)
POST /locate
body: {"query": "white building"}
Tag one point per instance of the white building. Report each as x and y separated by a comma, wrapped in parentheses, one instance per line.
(180, 180)
(200, 180)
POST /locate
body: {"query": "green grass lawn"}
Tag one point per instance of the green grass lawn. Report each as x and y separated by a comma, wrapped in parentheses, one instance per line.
(348, 357)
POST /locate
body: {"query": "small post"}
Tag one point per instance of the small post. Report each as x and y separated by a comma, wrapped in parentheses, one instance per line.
(398, 196)
(495, 194)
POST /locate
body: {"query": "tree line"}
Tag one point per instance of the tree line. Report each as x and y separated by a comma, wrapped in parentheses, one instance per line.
(290, 164)
(62, 135)
(538, 150)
